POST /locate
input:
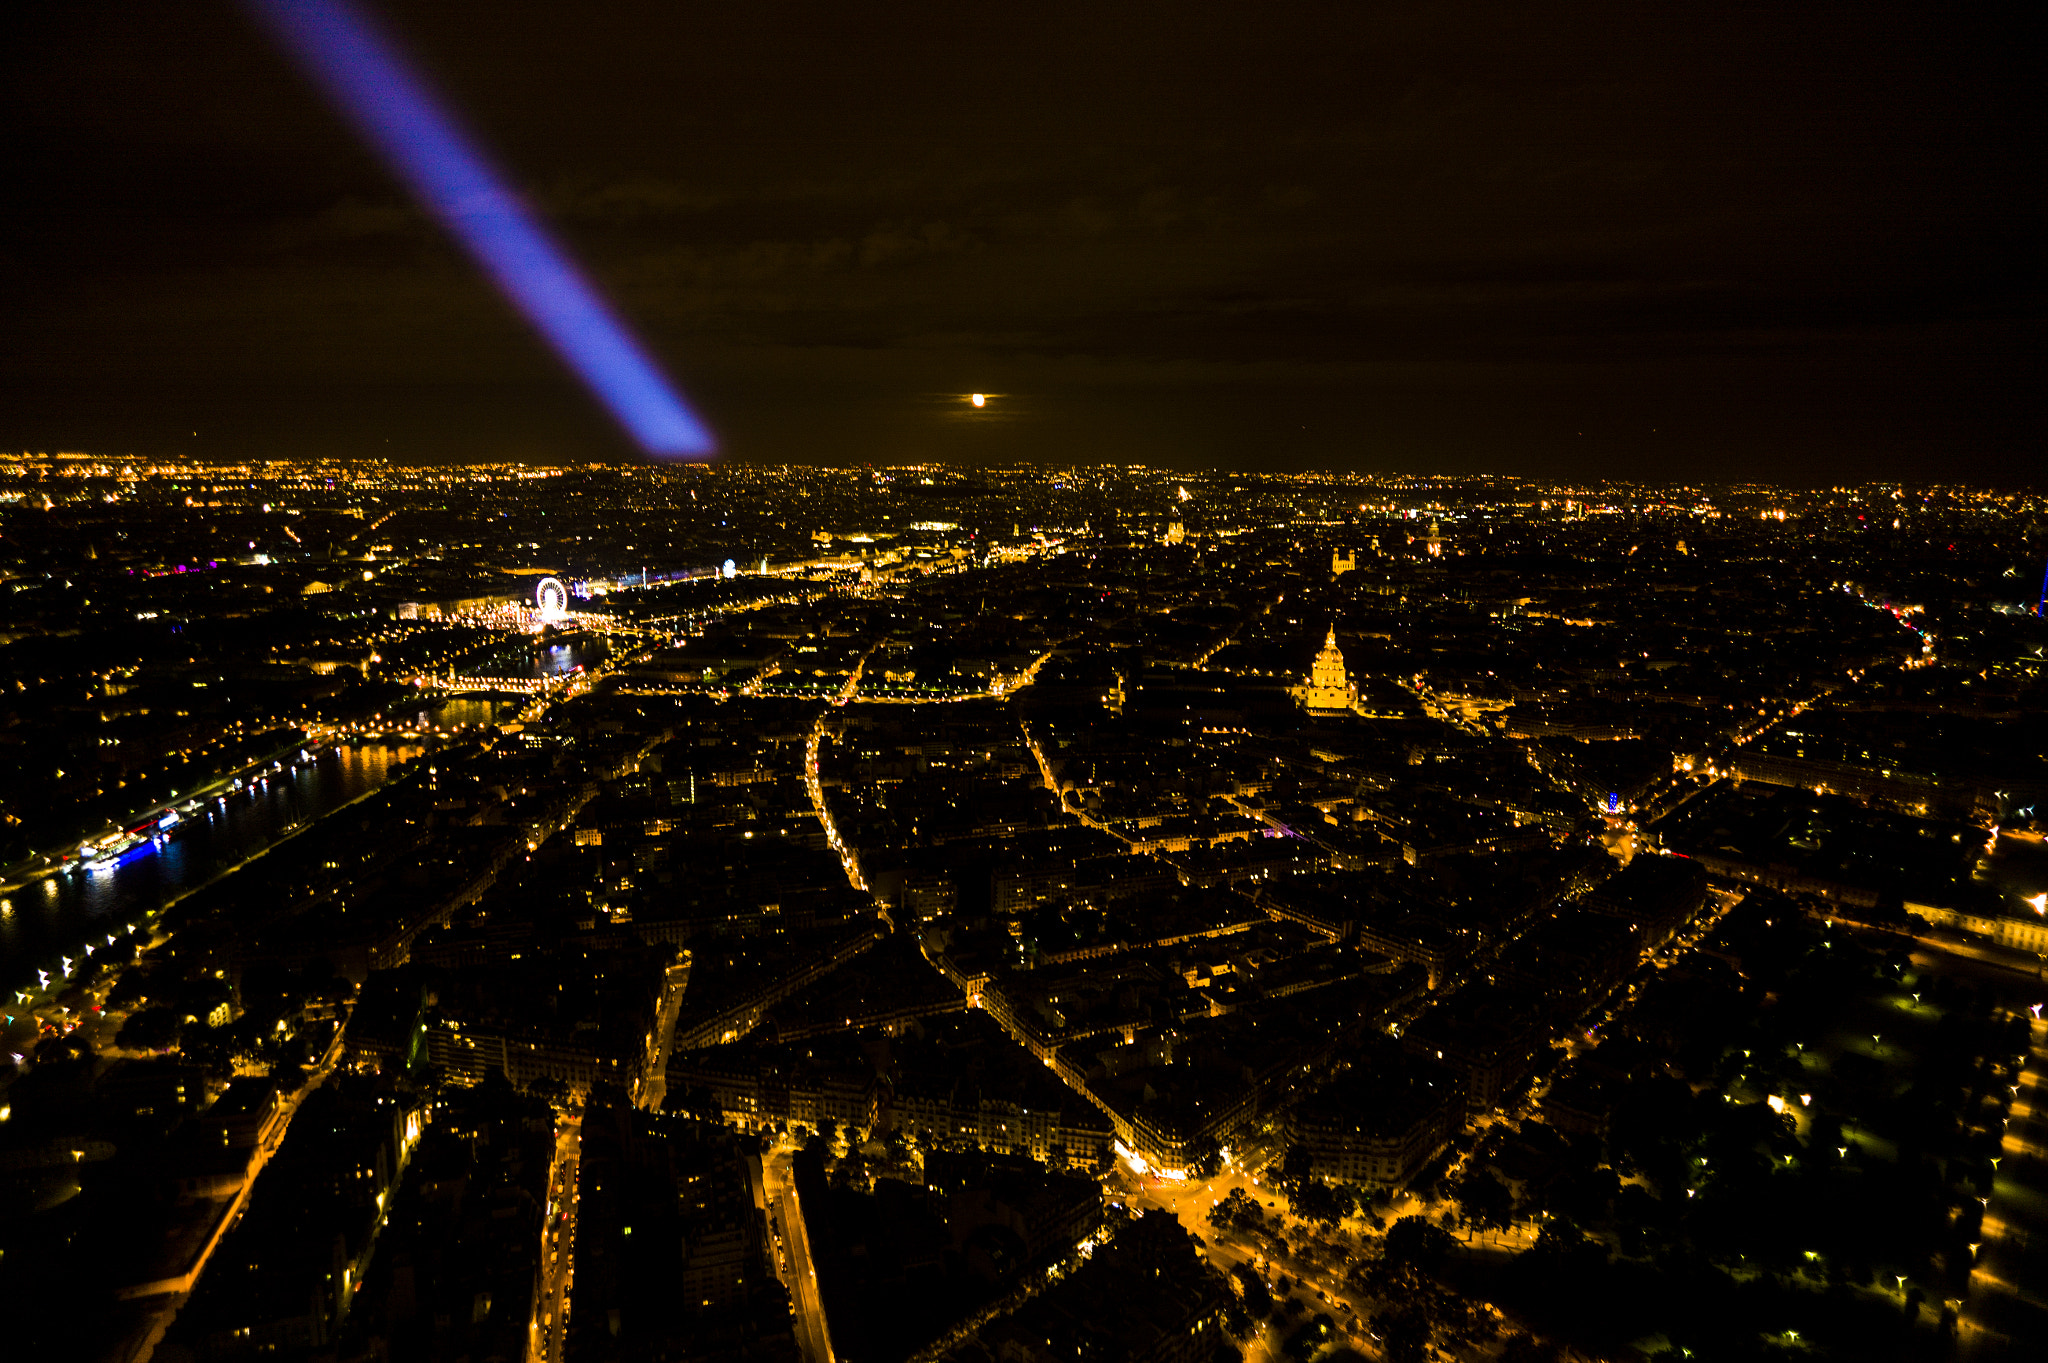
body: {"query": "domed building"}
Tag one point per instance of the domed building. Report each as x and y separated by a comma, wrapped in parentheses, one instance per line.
(1329, 689)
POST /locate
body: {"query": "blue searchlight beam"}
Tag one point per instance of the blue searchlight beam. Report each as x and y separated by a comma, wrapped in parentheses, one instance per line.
(366, 78)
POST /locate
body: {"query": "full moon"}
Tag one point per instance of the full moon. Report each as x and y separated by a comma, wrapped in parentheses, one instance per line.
(980, 399)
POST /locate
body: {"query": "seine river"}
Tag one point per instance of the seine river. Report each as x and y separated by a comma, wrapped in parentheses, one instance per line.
(57, 916)
(44, 921)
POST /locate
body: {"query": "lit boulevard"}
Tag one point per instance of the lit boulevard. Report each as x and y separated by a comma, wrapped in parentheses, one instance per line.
(1379, 914)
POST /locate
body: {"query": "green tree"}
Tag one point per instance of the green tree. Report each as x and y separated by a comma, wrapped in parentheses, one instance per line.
(1312, 1335)
(151, 1029)
(1413, 1243)
(1237, 1210)
(1483, 1200)
(1251, 1288)
(56, 1050)
(852, 1172)
(132, 988)
(1404, 1331)
(1315, 1200)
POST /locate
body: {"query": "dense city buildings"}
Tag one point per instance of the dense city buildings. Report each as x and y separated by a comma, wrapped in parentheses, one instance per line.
(747, 913)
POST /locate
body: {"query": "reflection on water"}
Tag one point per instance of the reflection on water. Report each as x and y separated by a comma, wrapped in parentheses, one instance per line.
(457, 712)
(534, 660)
(60, 914)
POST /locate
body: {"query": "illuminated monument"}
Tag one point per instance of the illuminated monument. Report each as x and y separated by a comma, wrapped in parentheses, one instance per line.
(1329, 689)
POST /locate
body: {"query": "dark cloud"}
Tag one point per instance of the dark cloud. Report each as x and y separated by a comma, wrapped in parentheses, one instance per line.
(1736, 240)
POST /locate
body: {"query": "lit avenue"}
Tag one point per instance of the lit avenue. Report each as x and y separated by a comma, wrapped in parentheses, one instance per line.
(512, 911)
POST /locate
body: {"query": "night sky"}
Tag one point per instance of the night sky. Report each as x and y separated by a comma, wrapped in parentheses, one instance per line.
(1795, 241)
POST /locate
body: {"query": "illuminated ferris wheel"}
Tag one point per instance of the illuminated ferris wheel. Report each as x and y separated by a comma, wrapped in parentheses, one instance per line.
(550, 597)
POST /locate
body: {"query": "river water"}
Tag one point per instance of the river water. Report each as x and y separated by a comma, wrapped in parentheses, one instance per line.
(459, 712)
(55, 917)
(45, 921)
(535, 660)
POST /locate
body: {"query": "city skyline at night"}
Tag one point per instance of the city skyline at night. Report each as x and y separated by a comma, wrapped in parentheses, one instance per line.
(857, 913)
(1132, 682)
